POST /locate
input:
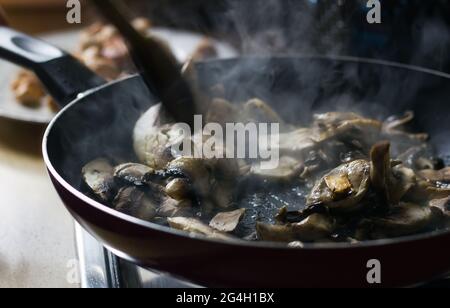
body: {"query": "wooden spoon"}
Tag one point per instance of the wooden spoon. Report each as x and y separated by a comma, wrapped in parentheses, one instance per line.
(158, 66)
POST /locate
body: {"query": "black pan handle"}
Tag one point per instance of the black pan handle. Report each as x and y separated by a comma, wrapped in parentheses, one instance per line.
(63, 76)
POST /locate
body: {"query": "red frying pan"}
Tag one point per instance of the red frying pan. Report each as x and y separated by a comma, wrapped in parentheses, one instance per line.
(98, 119)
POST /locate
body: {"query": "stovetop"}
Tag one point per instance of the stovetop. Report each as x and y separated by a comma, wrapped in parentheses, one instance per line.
(99, 268)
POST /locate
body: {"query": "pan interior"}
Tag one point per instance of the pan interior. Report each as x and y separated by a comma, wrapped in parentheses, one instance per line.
(101, 123)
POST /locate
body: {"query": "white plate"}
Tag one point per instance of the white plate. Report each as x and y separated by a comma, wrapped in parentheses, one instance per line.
(183, 44)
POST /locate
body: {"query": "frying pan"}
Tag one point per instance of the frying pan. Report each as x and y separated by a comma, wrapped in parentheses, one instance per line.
(98, 119)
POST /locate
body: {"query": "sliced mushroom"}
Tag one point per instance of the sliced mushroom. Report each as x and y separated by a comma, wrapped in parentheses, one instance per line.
(343, 188)
(179, 189)
(153, 137)
(212, 179)
(347, 126)
(443, 205)
(134, 202)
(334, 119)
(403, 219)
(98, 175)
(288, 168)
(258, 111)
(221, 111)
(194, 226)
(433, 163)
(394, 127)
(227, 221)
(174, 208)
(135, 174)
(425, 191)
(396, 123)
(314, 228)
(194, 169)
(298, 143)
(436, 176)
(392, 182)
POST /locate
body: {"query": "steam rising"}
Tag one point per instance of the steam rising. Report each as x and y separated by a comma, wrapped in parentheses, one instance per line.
(288, 27)
(296, 89)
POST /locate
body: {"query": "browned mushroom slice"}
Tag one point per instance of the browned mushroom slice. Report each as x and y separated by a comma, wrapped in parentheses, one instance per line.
(392, 182)
(297, 143)
(443, 205)
(314, 228)
(396, 123)
(425, 191)
(343, 188)
(288, 168)
(258, 111)
(221, 111)
(195, 227)
(403, 219)
(404, 179)
(394, 127)
(174, 208)
(179, 189)
(134, 202)
(194, 169)
(211, 179)
(334, 119)
(135, 174)
(153, 137)
(437, 176)
(98, 175)
(340, 123)
(227, 221)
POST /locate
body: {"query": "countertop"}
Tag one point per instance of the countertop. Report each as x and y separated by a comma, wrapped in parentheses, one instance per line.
(37, 247)
(36, 232)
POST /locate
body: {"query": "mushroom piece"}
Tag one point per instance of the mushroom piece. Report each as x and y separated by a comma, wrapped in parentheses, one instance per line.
(221, 111)
(227, 221)
(442, 205)
(135, 174)
(392, 182)
(258, 111)
(314, 228)
(425, 191)
(436, 176)
(153, 137)
(134, 202)
(98, 175)
(195, 227)
(174, 208)
(211, 179)
(394, 127)
(347, 126)
(179, 189)
(297, 143)
(403, 219)
(288, 168)
(334, 119)
(194, 169)
(343, 188)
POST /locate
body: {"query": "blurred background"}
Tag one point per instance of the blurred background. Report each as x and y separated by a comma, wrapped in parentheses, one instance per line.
(412, 31)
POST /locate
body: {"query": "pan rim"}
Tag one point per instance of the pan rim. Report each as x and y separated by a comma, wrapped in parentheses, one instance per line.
(238, 242)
